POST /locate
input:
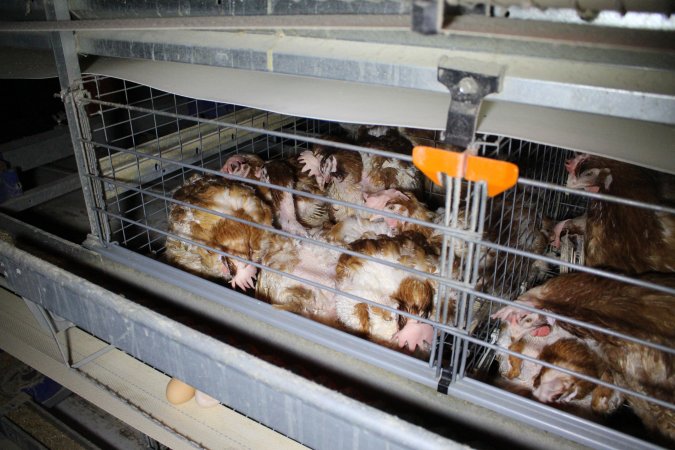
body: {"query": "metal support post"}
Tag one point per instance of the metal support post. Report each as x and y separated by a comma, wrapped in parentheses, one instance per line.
(427, 16)
(68, 67)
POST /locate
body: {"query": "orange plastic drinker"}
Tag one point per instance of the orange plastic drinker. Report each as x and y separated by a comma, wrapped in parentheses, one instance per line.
(499, 175)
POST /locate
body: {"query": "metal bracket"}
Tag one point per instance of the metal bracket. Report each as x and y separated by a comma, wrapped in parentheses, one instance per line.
(468, 81)
(54, 324)
(427, 16)
(444, 381)
(73, 93)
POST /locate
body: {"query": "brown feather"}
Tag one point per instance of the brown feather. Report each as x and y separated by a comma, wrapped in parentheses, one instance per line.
(633, 310)
(621, 237)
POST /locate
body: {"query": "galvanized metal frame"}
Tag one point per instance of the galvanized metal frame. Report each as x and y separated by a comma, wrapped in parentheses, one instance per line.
(74, 297)
(68, 67)
(555, 81)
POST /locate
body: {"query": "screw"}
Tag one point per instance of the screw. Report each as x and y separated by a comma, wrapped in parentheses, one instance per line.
(468, 85)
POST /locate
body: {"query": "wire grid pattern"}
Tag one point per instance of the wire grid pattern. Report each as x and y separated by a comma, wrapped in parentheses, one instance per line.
(141, 149)
(150, 142)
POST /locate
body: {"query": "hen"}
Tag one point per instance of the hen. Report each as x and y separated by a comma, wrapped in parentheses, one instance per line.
(511, 221)
(390, 287)
(632, 310)
(293, 213)
(553, 344)
(345, 175)
(227, 197)
(617, 236)
(338, 174)
(304, 260)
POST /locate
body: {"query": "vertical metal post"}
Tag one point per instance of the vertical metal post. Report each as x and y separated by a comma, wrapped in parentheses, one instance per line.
(68, 67)
(441, 297)
(427, 16)
(478, 208)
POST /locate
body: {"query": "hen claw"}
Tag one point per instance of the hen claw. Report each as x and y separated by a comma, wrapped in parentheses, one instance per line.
(414, 334)
(244, 277)
(310, 163)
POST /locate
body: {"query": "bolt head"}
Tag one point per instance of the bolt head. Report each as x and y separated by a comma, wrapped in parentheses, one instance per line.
(468, 85)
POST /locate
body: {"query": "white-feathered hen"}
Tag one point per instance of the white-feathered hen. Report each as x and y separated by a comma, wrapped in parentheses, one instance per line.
(304, 260)
(390, 287)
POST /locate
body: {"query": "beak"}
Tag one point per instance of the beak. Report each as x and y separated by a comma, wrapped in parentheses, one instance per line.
(573, 182)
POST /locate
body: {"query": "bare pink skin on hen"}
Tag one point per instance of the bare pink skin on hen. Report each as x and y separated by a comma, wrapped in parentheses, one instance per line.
(233, 164)
(379, 200)
(240, 166)
(551, 388)
(236, 165)
(287, 218)
(571, 164)
(414, 334)
(572, 226)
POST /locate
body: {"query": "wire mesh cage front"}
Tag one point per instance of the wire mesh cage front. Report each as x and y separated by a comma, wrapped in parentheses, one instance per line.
(333, 222)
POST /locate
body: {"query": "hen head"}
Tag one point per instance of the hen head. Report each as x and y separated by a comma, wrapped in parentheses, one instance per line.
(588, 173)
(522, 322)
(390, 200)
(244, 165)
(327, 171)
